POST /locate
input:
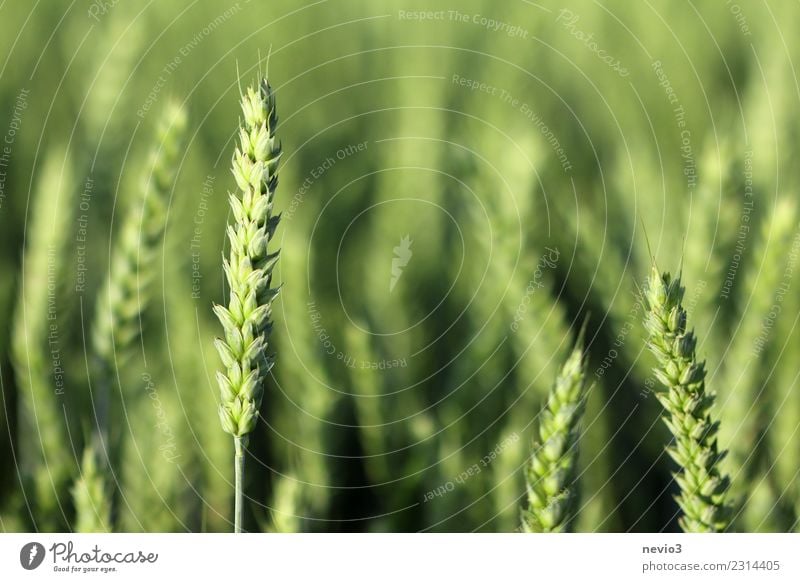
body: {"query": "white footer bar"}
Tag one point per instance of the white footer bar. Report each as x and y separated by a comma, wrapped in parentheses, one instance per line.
(400, 557)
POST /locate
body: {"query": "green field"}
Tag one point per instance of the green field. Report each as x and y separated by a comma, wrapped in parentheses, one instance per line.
(462, 187)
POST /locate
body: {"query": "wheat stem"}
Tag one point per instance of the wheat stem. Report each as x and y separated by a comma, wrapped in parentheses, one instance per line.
(688, 405)
(239, 447)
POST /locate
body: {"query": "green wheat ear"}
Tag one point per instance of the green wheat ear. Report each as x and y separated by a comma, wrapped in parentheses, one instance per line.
(286, 498)
(688, 406)
(127, 288)
(550, 474)
(91, 496)
(126, 291)
(246, 319)
(46, 459)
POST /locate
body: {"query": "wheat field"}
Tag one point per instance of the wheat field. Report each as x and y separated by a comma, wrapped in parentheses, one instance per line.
(463, 189)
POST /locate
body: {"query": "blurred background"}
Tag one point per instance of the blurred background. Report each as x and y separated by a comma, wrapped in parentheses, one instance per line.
(462, 185)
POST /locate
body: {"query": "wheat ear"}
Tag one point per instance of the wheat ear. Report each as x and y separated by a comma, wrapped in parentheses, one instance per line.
(745, 403)
(286, 498)
(703, 490)
(46, 458)
(246, 320)
(550, 474)
(90, 496)
(125, 292)
(126, 289)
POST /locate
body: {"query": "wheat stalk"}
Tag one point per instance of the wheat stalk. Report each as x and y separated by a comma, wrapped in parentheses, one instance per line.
(785, 424)
(744, 403)
(246, 320)
(550, 474)
(711, 234)
(205, 452)
(769, 282)
(688, 405)
(313, 399)
(126, 289)
(90, 496)
(127, 285)
(286, 499)
(46, 457)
